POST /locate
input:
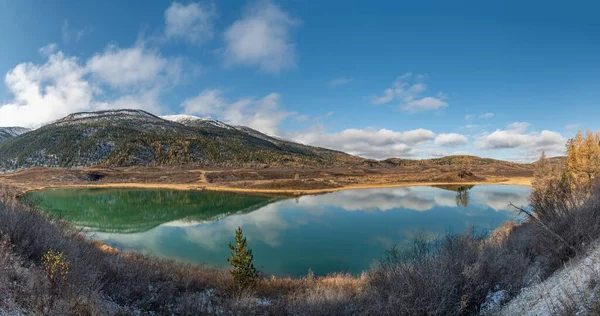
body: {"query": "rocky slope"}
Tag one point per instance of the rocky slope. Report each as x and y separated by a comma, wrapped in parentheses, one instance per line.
(135, 137)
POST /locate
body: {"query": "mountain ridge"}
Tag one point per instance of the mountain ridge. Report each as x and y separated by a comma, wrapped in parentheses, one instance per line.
(119, 138)
(135, 137)
(12, 131)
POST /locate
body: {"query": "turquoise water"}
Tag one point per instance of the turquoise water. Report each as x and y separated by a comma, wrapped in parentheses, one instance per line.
(336, 232)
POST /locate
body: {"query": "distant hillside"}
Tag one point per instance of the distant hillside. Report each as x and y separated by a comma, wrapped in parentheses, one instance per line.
(10, 132)
(448, 161)
(135, 137)
(475, 164)
(120, 138)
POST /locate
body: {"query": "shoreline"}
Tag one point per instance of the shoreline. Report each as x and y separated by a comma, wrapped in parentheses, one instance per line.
(518, 181)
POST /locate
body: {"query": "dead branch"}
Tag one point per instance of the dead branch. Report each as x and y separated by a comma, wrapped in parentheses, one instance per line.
(543, 225)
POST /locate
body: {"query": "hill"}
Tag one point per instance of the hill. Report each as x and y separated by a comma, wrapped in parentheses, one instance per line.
(138, 138)
(10, 132)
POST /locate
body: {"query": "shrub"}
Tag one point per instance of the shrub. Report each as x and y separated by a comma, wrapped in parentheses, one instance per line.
(56, 266)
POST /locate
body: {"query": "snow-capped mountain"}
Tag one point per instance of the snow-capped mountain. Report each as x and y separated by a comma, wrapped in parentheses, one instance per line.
(136, 137)
(191, 120)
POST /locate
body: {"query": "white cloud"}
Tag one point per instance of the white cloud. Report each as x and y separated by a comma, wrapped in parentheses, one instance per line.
(339, 81)
(499, 200)
(378, 144)
(424, 104)
(468, 117)
(451, 140)
(45, 92)
(369, 200)
(48, 49)
(408, 89)
(147, 100)
(207, 103)
(126, 67)
(261, 38)
(515, 136)
(263, 114)
(193, 22)
(118, 78)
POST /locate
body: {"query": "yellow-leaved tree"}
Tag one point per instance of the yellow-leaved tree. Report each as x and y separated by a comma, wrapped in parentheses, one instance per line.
(583, 159)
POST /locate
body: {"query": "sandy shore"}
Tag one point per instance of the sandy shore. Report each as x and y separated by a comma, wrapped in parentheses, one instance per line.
(520, 181)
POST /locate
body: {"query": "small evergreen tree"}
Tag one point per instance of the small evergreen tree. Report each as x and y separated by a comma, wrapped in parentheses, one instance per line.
(243, 271)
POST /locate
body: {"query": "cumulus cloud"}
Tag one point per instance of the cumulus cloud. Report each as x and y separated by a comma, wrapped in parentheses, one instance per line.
(371, 143)
(424, 104)
(263, 114)
(339, 81)
(516, 136)
(124, 67)
(451, 140)
(45, 92)
(396, 199)
(192, 22)
(261, 38)
(117, 78)
(408, 89)
(147, 100)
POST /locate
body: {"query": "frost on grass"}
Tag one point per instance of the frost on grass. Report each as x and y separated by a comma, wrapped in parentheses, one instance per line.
(570, 291)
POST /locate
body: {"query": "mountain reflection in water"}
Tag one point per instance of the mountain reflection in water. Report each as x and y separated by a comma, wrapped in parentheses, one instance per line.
(334, 232)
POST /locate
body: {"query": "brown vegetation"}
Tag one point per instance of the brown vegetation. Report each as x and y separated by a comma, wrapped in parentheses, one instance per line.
(269, 180)
(451, 275)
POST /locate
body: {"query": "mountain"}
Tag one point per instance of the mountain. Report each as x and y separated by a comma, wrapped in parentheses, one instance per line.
(216, 129)
(10, 132)
(135, 137)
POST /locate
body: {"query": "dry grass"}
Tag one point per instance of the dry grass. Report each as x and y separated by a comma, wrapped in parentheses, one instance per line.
(452, 275)
(272, 179)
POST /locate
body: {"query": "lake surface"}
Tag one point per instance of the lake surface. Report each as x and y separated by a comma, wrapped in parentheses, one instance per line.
(336, 232)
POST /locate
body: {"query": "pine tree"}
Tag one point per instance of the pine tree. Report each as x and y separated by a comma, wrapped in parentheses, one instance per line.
(243, 271)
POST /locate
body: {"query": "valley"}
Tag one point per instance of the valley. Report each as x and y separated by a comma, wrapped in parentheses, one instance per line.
(133, 148)
(268, 181)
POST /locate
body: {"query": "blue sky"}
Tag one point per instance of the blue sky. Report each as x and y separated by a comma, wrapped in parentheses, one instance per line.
(379, 79)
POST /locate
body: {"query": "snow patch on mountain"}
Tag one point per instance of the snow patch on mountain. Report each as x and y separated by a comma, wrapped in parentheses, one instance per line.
(10, 132)
(110, 115)
(194, 120)
(13, 131)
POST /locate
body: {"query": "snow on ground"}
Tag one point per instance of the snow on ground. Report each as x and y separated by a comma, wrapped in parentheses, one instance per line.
(184, 118)
(108, 115)
(13, 131)
(574, 287)
(180, 118)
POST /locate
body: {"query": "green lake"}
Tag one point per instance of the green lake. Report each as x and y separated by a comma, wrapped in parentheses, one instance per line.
(337, 232)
